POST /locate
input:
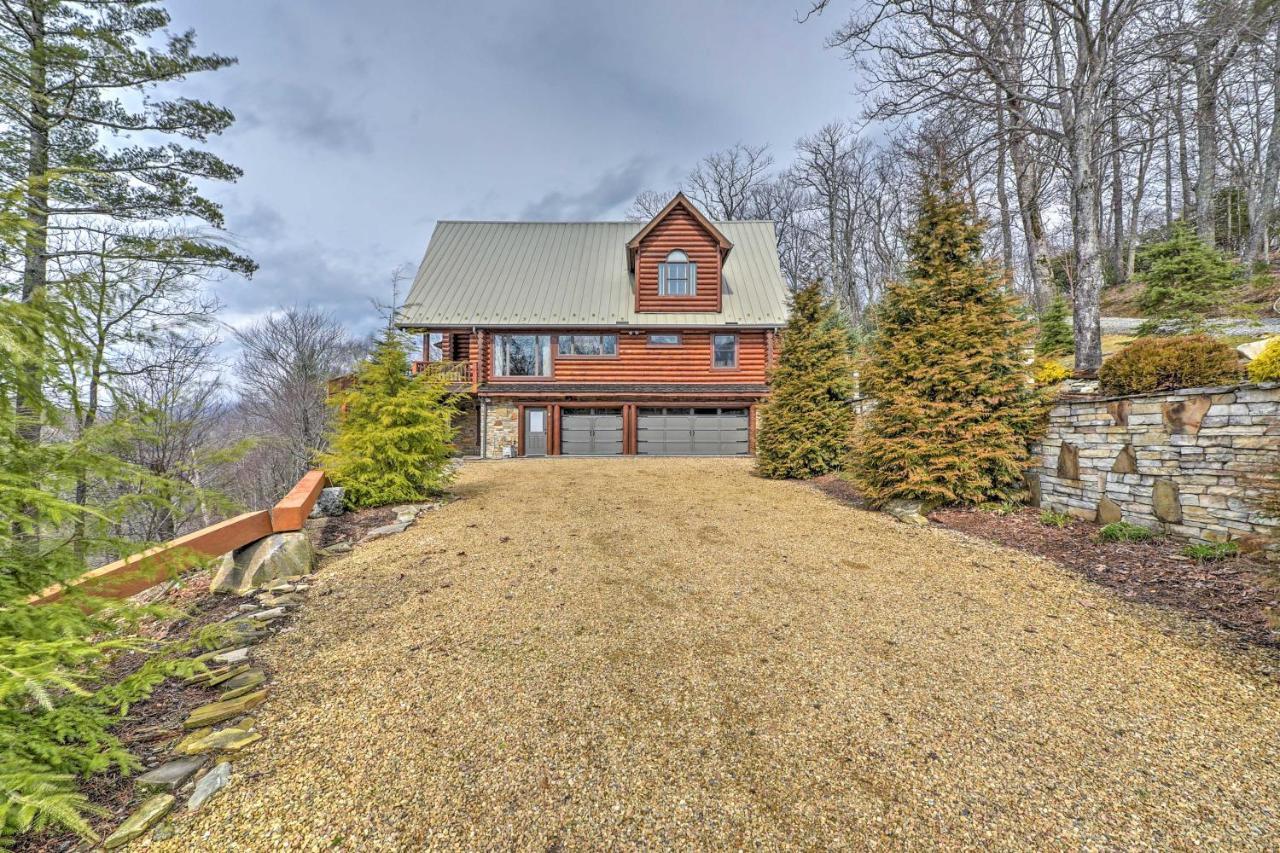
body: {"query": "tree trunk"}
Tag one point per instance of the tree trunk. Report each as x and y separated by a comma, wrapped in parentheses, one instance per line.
(1026, 183)
(1184, 160)
(1002, 190)
(1258, 227)
(1117, 204)
(1207, 150)
(1087, 235)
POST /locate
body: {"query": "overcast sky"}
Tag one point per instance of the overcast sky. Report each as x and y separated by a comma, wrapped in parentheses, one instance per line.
(359, 124)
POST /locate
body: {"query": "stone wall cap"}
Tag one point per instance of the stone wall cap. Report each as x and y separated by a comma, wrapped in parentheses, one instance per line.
(1069, 399)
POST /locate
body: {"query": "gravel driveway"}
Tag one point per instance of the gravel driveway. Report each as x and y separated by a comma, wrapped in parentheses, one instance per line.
(589, 653)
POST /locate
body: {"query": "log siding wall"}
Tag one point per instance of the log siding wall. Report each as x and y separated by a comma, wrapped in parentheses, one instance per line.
(678, 231)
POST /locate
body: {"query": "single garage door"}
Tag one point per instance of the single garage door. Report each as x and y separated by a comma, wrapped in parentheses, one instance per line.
(591, 432)
(692, 432)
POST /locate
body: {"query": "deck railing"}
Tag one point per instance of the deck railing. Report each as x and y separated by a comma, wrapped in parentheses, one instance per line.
(457, 372)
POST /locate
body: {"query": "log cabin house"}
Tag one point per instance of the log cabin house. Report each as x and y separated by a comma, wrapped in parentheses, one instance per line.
(602, 338)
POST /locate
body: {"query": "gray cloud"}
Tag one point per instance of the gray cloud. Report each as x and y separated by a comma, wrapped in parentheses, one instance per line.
(612, 190)
(308, 115)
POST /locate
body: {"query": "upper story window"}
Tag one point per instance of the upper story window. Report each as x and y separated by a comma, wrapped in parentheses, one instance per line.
(588, 345)
(677, 276)
(724, 351)
(521, 355)
(664, 339)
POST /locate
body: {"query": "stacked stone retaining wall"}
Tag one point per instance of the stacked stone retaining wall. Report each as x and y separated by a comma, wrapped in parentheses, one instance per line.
(1189, 463)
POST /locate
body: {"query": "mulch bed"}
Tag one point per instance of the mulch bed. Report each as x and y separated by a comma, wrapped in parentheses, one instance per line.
(1241, 595)
(350, 526)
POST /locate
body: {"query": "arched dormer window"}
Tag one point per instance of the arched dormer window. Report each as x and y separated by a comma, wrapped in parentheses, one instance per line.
(677, 276)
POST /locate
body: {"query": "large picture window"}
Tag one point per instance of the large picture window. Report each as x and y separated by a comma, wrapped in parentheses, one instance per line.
(678, 276)
(588, 345)
(521, 355)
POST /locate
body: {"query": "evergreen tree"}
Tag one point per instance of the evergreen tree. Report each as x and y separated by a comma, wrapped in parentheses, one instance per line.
(1054, 336)
(1184, 277)
(395, 431)
(954, 404)
(805, 426)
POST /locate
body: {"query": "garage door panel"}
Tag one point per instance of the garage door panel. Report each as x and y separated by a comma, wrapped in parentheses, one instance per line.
(590, 434)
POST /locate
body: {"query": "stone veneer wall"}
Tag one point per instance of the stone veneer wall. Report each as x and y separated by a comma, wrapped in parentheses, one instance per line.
(467, 423)
(1184, 463)
(501, 428)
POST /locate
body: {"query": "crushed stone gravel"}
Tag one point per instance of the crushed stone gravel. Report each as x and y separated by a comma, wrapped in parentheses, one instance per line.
(626, 652)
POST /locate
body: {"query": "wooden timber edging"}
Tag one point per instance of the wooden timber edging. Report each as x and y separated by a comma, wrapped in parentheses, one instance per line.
(137, 572)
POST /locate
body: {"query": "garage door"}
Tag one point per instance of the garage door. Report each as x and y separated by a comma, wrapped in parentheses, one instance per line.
(692, 432)
(591, 432)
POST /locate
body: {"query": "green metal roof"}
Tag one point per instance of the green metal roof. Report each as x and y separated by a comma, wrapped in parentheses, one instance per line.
(562, 274)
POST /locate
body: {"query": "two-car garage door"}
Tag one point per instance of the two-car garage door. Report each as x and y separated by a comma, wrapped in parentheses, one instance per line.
(668, 431)
(692, 432)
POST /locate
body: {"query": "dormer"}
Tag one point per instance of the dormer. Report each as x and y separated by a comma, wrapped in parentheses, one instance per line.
(677, 260)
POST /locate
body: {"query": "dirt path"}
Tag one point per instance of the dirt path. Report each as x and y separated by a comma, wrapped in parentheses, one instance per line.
(670, 652)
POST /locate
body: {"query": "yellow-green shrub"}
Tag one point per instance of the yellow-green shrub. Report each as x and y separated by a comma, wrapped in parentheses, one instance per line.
(1165, 364)
(1266, 367)
(1048, 372)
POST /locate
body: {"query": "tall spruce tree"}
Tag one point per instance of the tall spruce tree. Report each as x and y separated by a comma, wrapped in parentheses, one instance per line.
(806, 425)
(954, 404)
(1183, 278)
(395, 431)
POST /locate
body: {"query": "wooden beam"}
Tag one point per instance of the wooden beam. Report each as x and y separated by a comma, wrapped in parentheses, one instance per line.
(293, 509)
(132, 575)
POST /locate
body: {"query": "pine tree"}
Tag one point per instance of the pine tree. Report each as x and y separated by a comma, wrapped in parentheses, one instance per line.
(1054, 336)
(1184, 277)
(806, 425)
(395, 431)
(954, 404)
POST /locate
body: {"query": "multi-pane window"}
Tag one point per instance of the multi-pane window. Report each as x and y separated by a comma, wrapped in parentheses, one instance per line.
(521, 355)
(724, 351)
(678, 276)
(588, 345)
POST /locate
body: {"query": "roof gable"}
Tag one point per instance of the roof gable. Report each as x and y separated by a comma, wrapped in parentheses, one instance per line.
(682, 201)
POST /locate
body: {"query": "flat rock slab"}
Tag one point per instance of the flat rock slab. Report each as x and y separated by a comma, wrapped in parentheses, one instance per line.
(170, 775)
(211, 783)
(268, 615)
(386, 530)
(231, 739)
(248, 678)
(147, 816)
(286, 600)
(234, 656)
(216, 712)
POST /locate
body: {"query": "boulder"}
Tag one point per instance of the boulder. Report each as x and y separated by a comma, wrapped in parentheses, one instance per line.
(1109, 511)
(1253, 349)
(211, 783)
(1069, 461)
(1184, 416)
(1164, 499)
(1119, 411)
(276, 556)
(1126, 461)
(216, 712)
(329, 503)
(907, 511)
(170, 775)
(147, 816)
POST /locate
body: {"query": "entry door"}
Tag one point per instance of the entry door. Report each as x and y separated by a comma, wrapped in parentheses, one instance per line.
(535, 432)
